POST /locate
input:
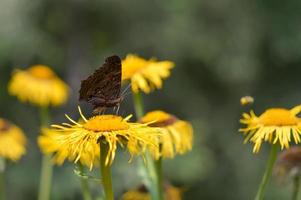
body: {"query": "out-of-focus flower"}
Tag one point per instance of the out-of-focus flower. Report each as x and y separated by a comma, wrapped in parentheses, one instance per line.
(79, 139)
(289, 162)
(38, 85)
(177, 135)
(246, 100)
(12, 141)
(171, 193)
(145, 75)
(275, 125)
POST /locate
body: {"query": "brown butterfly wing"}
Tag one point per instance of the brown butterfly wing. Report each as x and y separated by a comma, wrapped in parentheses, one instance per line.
(104, 84)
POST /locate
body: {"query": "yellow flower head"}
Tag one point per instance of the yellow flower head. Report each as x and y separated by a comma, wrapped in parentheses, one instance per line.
(289, 163)
(12, 141)
(177, 135)
(79, 139)
(145, 75)
(171, 193)
(38, 85)
(246, 100)
(275, 125)
(50, 143)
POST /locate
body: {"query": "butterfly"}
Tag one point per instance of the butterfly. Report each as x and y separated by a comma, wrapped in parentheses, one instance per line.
(102, 88)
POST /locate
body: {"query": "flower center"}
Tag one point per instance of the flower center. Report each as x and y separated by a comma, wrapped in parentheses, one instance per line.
(159, 118)
(4, 125)
(106, 123)
(278, 117)
(41, 71)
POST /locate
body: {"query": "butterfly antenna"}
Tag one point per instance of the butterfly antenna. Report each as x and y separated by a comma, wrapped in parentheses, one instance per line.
(126, 94)
(126, 89)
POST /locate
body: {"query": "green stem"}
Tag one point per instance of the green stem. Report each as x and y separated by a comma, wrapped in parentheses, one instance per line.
(153, 179)
(159, 172)
(138, 104)
(45, 179)
(267, 173)
(84, 184)
(44, 116)
(2, 179)
(105, 171)
(46, 171)
(296, 187)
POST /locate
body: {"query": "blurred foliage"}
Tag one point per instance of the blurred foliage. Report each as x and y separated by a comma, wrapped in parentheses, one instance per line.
(223, 50)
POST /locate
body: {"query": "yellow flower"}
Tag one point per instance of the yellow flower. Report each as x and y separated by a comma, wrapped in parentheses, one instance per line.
(274, 125)
(50, 143)
(38, 85)
(246, 100)
(12, 141)
(79, 139)
(145, 75)
(177, 135)
(171, 193)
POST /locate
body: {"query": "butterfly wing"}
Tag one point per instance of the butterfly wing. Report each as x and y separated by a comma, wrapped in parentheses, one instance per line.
(104, 84)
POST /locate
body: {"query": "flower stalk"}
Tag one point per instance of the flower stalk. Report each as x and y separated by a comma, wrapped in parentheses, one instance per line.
(46, 170)
(138, 104)
(84, 184)
(296, 185)
(267, 173)
(105, 171)
(2, 179)
(159, 172)
(152, 180)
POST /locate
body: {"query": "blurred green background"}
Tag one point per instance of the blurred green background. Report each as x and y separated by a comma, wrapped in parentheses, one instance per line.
(222, 49)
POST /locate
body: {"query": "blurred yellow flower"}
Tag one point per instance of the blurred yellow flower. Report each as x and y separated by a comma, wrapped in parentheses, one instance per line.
(38, 85)
(12, 141)
(79, 139)
(171, 193)
(177, 135)
(274, 125)
(145, 75)
(50, 143)
(246, 100)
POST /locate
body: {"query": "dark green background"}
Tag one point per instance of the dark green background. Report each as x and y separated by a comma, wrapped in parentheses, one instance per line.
(222, 49)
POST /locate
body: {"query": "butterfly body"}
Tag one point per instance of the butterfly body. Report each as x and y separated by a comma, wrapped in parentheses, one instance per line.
(102, 88)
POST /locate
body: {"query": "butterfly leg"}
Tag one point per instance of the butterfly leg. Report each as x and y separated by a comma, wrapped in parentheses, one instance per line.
(118, 107)
(99, 111)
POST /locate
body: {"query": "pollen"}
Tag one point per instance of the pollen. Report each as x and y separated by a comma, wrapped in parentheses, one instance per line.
(278, 117)
(41, 72)
(106, 123)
